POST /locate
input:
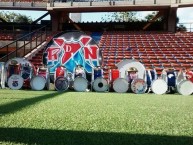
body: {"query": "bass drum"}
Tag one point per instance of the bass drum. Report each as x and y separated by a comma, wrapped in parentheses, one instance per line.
(15, 82)
(159, 86)
(185, 87)
(138, 86)
(120, 85)
(61, 84)
(100, 85)
(38, 83)
(80, 84)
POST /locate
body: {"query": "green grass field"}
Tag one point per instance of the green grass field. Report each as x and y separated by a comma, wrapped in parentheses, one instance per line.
(89, 118)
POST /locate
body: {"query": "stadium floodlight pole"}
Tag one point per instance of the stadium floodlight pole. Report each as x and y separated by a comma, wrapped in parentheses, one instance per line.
(110, 2)
(13, 2)
(91, 2)
(51, 3)
(133, 2)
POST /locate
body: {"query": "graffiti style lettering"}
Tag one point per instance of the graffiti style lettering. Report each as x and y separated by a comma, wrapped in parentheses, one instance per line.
(90, 52)
(72, 52)
(70, 49)
(53, 53)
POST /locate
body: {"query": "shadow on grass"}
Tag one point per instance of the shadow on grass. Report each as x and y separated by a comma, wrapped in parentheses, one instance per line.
(20, 104)
(59, 137)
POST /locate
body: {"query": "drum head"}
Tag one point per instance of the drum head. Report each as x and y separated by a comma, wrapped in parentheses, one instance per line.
(138, 86)
(61, 84)
(38, 83)
(185, 87)
(159, 86)
(80, 84)
(15, 82)
(120, 85)
(100, 85)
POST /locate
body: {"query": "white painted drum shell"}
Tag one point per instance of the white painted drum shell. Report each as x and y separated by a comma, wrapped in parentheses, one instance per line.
(80, 84)
(16, 78)
(159, 86)
(185, 87)
(138, 86)
(104, 83)
(38, 83)
(120, 85)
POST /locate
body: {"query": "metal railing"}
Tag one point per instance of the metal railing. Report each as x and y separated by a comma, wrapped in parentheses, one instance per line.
(24, 45)
(43, 3)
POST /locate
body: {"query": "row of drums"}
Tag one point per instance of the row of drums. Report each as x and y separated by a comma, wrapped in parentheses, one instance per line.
(19, 73)
(168, 82)
(25, 75)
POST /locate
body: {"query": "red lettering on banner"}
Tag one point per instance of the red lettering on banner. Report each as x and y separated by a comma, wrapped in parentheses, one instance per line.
(90, 52)
(70, 49)
(53, 53)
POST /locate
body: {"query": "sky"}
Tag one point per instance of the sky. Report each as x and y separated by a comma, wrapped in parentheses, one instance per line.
(185, 15)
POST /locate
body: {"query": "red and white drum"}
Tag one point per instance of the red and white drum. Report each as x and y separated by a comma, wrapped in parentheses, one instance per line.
(115, 74)
(159, 86)
(185, 87)
(100, 84)
(60, 72)
(61, 84)
(120, 85)
(42, 80)
(80, 84)
(138, 86)
(15, 82)
(14, 68)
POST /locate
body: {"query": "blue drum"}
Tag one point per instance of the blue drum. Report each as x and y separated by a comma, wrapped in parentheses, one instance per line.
(171, 78)
(171, 81)
(97, 72)
(151, 76)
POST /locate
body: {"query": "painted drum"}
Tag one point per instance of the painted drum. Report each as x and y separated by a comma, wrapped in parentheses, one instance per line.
(100, 84)
(114, 74)
(15, 82)
(138, 86)
(61, 84)
(60, 72)
(38, 83)
(185, 87)
(171, 78)
(159, 86)
(44, 72)
(97, 73)
(26, 72)
(13, 69)
(120, 85)
(80, 84)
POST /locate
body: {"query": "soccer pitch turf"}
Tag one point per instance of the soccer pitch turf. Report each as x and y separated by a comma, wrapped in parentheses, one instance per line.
(91, 118)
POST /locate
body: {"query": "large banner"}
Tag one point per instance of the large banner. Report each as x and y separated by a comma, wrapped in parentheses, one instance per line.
(71, 49)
